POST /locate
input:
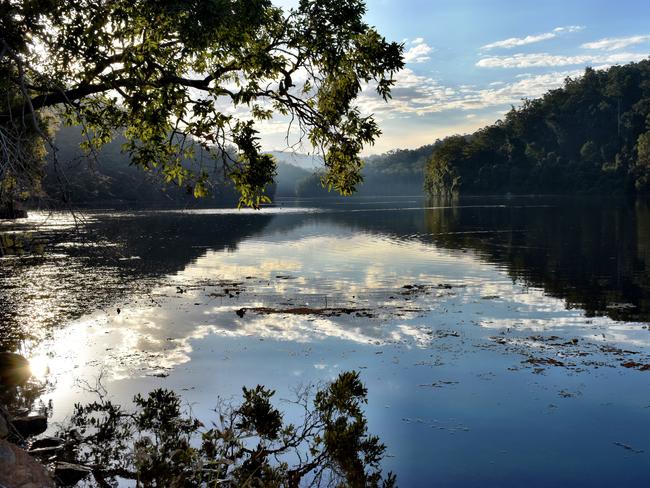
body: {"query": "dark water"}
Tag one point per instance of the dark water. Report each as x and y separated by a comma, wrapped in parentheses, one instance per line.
(491, 333)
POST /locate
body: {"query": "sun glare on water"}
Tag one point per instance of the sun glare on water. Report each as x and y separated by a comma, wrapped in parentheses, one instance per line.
(39, 366)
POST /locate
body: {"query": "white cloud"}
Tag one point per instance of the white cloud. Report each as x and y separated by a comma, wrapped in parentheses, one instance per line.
(421, 95)
(518, 41)
(535, 60)
(614, 43)
(522, 41)
(569, 28)
(419, 52)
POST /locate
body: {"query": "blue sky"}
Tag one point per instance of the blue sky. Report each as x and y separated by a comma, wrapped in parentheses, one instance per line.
(468, 61)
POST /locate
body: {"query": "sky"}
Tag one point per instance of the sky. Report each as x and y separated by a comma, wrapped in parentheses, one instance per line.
(469, 61)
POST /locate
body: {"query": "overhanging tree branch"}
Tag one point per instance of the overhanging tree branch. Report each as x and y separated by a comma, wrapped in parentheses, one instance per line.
(132, 65)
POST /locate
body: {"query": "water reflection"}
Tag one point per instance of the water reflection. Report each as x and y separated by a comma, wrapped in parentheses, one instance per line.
(593, 253)
(307, 282)
(154, 331)
(456, 315)
(86, 262)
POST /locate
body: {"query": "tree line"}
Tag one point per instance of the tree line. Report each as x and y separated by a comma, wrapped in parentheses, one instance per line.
(592, 135)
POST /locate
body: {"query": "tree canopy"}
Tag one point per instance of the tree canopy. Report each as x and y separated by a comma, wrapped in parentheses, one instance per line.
(179, 78)
(590, 136)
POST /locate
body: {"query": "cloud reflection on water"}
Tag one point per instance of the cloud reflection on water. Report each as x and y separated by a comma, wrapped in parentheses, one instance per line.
(157, 332)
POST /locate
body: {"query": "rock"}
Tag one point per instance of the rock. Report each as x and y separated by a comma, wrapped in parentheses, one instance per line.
(29, 426)
(4, 427)
(45, 452)
(14, 369)
(19, 469)
(20, 412)
(70, 474)
(7, 455)
(47, 442)
(46, 447)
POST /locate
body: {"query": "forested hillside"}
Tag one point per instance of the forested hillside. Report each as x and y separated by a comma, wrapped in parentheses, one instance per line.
(590, 136)
(396, 172)
(107, 178)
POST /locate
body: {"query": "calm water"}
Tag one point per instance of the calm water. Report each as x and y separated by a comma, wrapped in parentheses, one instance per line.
(491, 334)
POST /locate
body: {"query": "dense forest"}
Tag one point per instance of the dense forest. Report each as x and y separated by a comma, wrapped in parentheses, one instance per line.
(590, 136)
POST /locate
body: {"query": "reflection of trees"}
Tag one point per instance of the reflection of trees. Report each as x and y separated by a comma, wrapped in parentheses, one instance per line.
(40, 291)
(17, 244)
(24, 398)
(158, 444)
(591, 253)
(643, 252)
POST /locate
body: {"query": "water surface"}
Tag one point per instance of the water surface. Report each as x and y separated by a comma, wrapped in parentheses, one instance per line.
(492, 334)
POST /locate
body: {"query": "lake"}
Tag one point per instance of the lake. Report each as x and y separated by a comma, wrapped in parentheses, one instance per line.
(502, 340)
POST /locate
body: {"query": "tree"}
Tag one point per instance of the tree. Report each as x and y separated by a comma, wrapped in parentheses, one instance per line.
(589, 136)
(250, 445)
(589, 152)
(441, 177)
(643, 161)
(181, 77)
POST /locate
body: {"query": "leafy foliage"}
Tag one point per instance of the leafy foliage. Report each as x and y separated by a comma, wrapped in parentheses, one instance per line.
(176, 75)
(158, 444)
(591, 135)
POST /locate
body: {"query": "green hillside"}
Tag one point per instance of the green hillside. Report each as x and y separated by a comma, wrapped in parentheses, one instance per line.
(590, 136)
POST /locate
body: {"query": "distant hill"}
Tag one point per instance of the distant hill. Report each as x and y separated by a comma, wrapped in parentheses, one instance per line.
(289, 177)
(397, 172)
(303, 161)
(590, 136)
(108, 178)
